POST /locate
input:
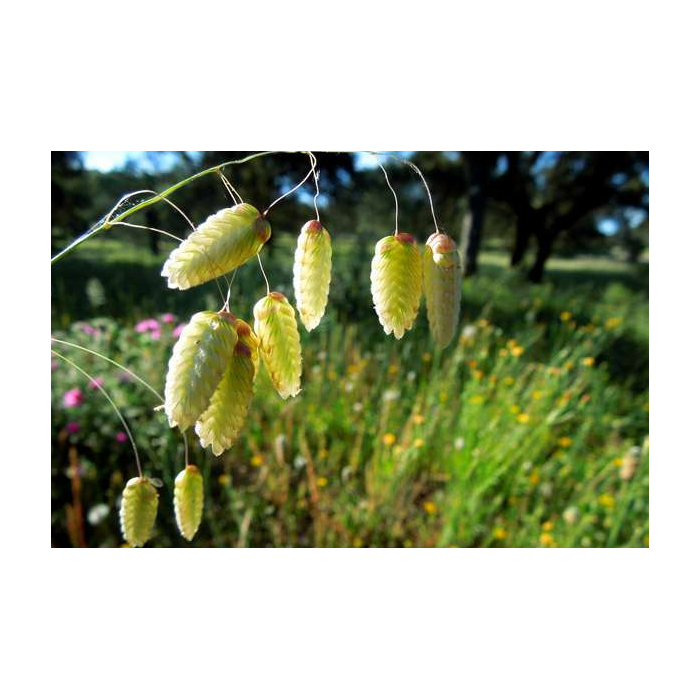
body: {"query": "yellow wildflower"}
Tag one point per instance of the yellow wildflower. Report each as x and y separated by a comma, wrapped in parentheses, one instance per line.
(476, 399)
(524, 418)
(418, 419)
(430, 508)
(393, 369)
(321, 481)
(534, 478)
(503, 352)
(565, 315)
(418, 442)
(389, 439)
(500, 533)
(257, 461)
(548, 526)
(606, 500)
(565, 442)
(509, 381)
(515, 409)
(537, 395)
(588, 361)
(517, 351)
(357, 542)
(546, 540)
(478, 374)
(483, 323)
(613, 322)
(224, 479)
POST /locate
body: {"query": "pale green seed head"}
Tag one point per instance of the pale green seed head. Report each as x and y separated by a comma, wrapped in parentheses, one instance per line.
(396, 282)
(442, 280)
(312, 273)
(280, 345)
(222, 243)
(197, 365)
(189, 501)
(138, 511)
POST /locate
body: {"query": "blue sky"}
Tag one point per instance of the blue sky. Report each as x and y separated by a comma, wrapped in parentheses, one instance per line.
(150, 161)
(153, 161)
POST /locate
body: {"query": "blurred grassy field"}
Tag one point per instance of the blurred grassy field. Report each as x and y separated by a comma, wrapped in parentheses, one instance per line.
(531, 429)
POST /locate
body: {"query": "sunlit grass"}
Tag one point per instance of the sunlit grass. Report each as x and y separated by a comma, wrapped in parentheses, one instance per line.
(530, 430)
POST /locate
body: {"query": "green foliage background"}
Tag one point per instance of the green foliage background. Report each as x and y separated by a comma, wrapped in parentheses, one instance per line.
(518, 434)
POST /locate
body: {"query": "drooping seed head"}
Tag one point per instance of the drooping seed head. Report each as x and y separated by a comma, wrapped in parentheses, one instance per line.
(138, 510)
(189, 501)
(197, 365)
(222, 243)
(312, 273)
(442, 280)
(280, 346)
(396, 282)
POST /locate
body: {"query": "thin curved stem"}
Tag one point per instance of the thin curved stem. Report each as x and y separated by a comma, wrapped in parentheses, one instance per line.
(262, 269)
(114, 406)
(396, 199)
(316, 176)
(106, 223)
(130, 373)
(294, 189)
(111, 361)
(148, 228)
(416, 169)
(232, 190)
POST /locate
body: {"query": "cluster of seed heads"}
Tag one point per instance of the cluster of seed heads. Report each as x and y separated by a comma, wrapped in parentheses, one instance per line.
(211, 374)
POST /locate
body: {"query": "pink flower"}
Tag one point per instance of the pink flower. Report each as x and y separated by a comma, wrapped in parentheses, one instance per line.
(96, 383)
(72, 398)
(168, 318)
(155, 335)
(178, 330)
(73, 427)
(54, 364)
(122, 436)
(148, 324)
(88, 329)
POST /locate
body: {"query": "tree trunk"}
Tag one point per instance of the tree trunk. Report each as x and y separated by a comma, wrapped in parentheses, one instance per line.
(522, 238)
(477, 203)
(545, 243)
(464, 235)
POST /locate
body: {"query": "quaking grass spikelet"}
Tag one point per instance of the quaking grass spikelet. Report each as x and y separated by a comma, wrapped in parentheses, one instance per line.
(396, 282)
(442, 280)
(280, 346)
(189, 501)
(221, 424)
(312, 273)
(222, 243)
(197, 365)
(138, 511)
